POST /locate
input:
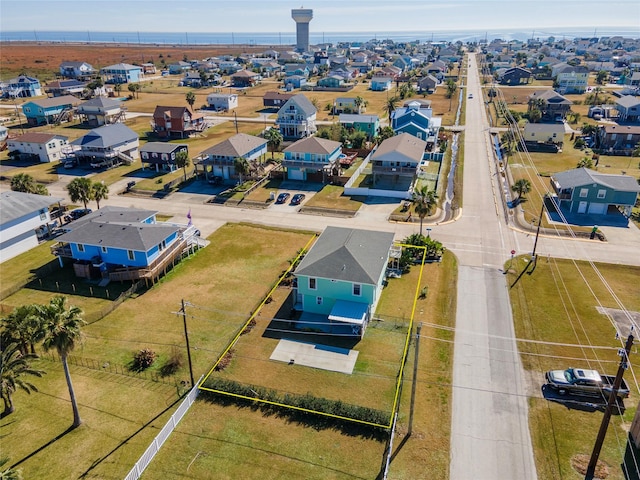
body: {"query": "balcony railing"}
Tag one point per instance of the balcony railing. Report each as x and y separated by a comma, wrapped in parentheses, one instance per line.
(305, 164)
(394, 170)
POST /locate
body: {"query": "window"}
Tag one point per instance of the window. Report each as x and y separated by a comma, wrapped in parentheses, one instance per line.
(319, 300)
(43, 214)
(312, 284)
(130, 254)
(602, 193)
(103, 249)
(584, 192)
(357, 289)
(80, 247)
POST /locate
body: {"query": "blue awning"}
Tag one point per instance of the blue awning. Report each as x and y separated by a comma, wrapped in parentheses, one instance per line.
(349, 312)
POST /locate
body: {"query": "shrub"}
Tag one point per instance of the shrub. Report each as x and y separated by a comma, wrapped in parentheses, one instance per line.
(143, 359)
(225, 361)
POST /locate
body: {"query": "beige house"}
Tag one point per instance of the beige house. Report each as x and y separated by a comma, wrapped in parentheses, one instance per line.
(544, 133)
(46, 146)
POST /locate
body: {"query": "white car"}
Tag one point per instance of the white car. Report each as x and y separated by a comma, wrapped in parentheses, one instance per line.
(69, 164)
(471, 95)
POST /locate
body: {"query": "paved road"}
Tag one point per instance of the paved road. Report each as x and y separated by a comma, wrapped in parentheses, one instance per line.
(489, 432)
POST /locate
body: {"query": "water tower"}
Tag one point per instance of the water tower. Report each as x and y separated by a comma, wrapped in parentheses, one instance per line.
(302, 17)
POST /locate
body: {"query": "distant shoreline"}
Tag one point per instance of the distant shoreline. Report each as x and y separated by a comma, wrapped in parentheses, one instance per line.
(198, 46)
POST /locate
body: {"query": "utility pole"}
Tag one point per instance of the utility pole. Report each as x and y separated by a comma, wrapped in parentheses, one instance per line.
(415, 378)
(534, 258)
(624, 362)
(186, 336)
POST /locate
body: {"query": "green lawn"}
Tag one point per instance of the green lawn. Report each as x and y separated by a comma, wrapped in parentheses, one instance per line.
(331, 197)
(223, 285)
(567, 315)
(252, 444)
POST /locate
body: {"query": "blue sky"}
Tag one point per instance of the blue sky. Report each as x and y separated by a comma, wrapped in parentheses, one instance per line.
(329, 15)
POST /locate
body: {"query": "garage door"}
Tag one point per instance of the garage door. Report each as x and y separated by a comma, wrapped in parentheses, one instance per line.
(296, 174)
(597, 208)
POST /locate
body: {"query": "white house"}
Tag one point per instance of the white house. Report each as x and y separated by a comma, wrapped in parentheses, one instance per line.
(24, 220)
(46, 146)
(222, 101)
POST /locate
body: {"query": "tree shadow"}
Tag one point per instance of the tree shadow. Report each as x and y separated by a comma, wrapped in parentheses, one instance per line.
(38, 450)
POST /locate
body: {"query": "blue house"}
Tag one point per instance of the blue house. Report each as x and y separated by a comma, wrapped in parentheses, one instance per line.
(416, 119)
(24, 86)
(49, 111)
(179, 67)
(122, 73)
(118, 243)
(312, 159)
(295, 81)
(340, 280)
(585, 191)
(381, 84)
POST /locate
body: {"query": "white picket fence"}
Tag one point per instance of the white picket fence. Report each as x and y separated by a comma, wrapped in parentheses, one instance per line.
(144, 461)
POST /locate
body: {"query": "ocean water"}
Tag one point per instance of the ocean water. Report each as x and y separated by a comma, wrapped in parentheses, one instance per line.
(289, 38)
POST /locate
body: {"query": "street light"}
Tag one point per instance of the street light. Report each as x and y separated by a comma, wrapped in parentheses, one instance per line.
(428, 232)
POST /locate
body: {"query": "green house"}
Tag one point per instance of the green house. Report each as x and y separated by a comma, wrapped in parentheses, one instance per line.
(369, 124)
(340, 280)
(585, 191)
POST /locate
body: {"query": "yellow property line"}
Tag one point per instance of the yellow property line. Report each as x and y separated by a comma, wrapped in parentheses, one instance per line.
(402, 362)
(302, 409)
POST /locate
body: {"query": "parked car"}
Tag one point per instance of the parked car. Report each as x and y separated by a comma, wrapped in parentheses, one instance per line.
(471, 95)
(99, 163)
(580, 381)
(283, 197)
(77, 213)
(70, 164)
(297, 199)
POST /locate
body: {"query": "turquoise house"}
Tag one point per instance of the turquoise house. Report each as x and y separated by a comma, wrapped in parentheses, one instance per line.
(340, 280)
(312, 159)
(369, 124)
(585, 191)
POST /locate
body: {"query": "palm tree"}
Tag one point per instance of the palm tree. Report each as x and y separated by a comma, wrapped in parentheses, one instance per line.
(80, 190)
(182, 161)
(9, 473)
(191, 98)
(23, 182)
(99, 191)
(22, 327)
(423, 201)
(242, 166)
(521, 187)
(384, 133)
(274, 139)
(360, 103)
(391, 106)
(13, 365)
(62, 328)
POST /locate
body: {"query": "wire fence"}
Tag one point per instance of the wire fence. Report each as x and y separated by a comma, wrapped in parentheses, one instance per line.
(115, 369)
(164, 434)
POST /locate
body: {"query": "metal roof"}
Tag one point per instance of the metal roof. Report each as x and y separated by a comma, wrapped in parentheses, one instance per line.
(314, 145)
(405, 144)
(583, 176)
(107, 136)
(15, 205)
(239, 145)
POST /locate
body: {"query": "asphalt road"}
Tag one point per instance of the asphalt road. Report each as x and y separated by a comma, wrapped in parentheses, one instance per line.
(489, 432)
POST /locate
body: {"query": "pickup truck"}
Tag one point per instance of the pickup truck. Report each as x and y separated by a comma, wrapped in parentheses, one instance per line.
(579, 381)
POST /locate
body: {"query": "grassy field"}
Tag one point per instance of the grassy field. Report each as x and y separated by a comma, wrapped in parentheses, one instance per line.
(331, 196)
(223, 283)
(553, 305)
(250, 444)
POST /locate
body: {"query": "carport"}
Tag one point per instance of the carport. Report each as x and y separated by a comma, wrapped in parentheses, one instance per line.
(353, 314)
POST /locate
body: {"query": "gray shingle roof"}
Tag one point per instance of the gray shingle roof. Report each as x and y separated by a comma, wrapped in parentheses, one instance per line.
(317, 145)
(56, 101)
(15, 205)
(125, 235)
(303, 104)
(115, 214)
(237, 146)
(101, 102)
(583, 176)
(346, 254)
(107, 136)
(161, 147)
(405, 144)
(628, 101)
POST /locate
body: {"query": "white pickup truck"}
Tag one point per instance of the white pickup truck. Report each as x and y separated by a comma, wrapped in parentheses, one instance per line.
(579, 381)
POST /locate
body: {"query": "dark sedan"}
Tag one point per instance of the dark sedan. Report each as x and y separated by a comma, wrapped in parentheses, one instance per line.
(282, 198)
(297, 199)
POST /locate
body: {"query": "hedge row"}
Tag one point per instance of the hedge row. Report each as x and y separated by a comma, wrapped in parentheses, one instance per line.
(306, 401)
